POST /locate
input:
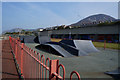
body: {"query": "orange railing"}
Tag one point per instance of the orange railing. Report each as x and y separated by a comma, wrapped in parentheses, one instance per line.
(34, 65)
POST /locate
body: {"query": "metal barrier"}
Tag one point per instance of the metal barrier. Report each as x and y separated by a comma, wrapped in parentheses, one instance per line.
(34, 65)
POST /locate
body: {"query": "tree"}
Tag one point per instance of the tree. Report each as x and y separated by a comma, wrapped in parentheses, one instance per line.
(23, 31)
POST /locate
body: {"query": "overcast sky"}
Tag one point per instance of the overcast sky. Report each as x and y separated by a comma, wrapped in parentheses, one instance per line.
(30, 15)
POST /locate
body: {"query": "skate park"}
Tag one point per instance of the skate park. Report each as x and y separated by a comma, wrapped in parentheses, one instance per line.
(93, 65)
(80, 53)
(66, 48)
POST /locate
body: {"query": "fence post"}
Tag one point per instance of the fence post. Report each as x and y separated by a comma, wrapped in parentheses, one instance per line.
(22, 58)
(53, 69)
(14, 44)
(16, 49)
(10, 39)
(104, 44)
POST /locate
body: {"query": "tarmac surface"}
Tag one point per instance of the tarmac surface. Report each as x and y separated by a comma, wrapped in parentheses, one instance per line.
(9, 71)
(91, 66)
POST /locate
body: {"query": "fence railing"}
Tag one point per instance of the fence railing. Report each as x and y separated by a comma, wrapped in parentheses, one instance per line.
(34, 65)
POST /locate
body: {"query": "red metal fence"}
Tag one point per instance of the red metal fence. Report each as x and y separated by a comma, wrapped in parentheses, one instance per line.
(34, 65)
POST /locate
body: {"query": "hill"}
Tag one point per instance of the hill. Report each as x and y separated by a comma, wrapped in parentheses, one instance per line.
(94, 20)
(17, 30)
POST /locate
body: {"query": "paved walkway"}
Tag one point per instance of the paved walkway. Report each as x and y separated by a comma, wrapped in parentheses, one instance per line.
(9, 71)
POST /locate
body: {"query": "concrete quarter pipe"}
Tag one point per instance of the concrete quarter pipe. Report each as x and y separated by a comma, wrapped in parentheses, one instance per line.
(85, 47)
(43, 39)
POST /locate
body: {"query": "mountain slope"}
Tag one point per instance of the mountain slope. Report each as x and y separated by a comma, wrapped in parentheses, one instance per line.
(18, 30)
(94, 19)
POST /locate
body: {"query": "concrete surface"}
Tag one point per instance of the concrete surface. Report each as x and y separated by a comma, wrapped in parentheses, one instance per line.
(92, 66)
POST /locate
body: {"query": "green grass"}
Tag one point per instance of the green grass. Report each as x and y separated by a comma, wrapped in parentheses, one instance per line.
(55, 40)
(108, 45)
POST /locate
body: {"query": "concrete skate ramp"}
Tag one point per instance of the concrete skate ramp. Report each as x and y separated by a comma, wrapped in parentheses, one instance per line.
(68, 42)
(85, 47)
(43, 39)
(59, 49)
(29, 39)
(68, 48)
(114, 72)
(21, 38)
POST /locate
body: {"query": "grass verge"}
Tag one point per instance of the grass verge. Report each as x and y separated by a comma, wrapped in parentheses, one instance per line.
(108, 45)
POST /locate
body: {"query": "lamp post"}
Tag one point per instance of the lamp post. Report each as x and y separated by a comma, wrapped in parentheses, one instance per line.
(69, 35)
